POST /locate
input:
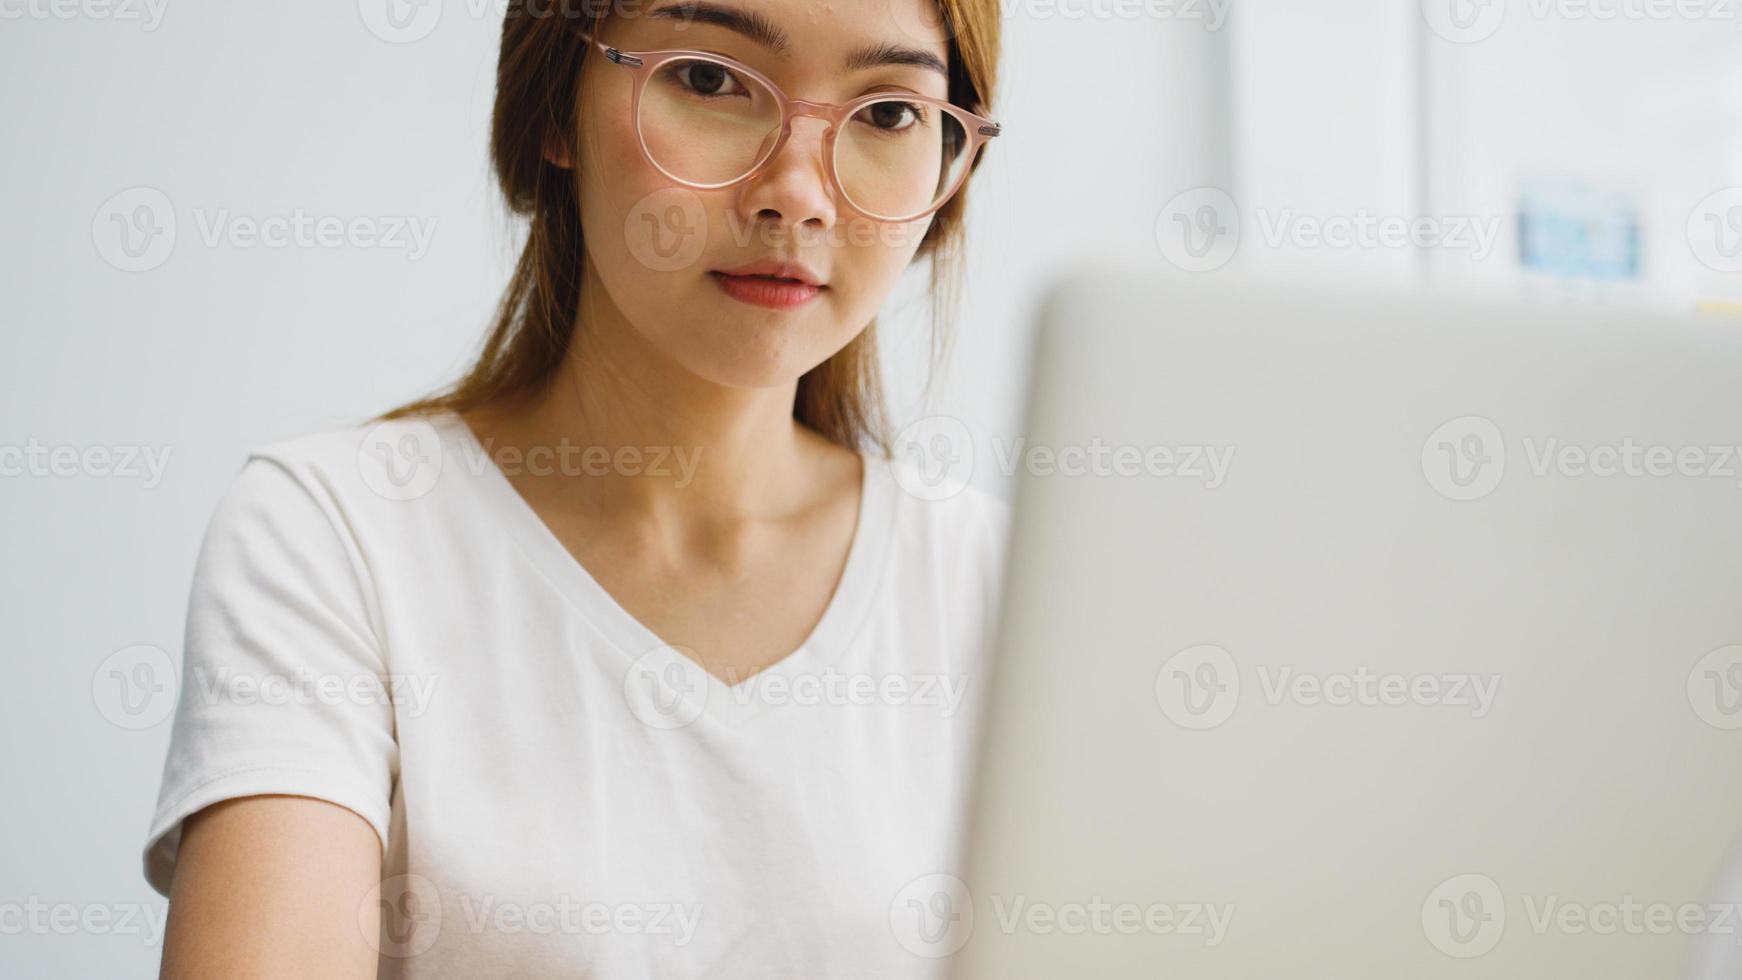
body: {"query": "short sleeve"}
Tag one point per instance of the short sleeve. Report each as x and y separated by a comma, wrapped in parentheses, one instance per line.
(284, 687)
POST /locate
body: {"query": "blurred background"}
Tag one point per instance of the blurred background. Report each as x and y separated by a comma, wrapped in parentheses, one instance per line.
(1556, 150)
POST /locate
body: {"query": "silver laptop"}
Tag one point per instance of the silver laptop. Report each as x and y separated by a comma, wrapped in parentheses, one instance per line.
(1362, 636)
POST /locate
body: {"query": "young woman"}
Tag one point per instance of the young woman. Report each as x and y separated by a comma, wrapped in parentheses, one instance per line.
(633, 654)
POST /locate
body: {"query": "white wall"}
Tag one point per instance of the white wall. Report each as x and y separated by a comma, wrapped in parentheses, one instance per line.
(1325, 121)
(1370, 107)
(1641, 109)
(249, 111)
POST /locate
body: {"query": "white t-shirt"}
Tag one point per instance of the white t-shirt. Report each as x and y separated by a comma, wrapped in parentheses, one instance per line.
(380, 620)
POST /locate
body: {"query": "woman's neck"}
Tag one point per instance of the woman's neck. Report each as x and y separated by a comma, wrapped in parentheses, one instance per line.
(634, 435)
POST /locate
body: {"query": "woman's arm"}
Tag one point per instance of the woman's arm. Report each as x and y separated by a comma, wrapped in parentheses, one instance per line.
(274, 886)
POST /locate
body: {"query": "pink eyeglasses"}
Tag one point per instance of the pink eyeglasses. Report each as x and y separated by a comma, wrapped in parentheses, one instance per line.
(710, 122)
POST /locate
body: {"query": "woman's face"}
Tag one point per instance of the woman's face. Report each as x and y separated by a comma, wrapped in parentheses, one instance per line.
(664, 252)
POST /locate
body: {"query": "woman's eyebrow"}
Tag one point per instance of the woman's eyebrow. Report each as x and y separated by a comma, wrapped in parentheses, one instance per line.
(746, 22)
(893, 54)
(765, 32)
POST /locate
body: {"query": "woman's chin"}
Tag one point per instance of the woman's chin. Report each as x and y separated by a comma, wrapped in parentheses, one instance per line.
(751, 366)
(756, 350)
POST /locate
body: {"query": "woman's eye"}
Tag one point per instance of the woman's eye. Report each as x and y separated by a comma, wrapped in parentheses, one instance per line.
(707, 78)
(892, 116)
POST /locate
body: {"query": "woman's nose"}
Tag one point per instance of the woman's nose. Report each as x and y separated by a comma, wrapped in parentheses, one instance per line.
(793, 189)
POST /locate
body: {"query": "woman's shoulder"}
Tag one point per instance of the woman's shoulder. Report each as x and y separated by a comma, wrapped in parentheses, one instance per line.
(950, 539)
(394, 459)
(947, 515)
(949, 497)
(357, 467)
(375, 480)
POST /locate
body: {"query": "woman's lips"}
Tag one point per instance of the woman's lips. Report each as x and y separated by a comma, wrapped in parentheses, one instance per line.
(778, 294)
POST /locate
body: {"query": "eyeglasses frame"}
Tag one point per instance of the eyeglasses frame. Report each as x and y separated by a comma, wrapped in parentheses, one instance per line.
(979, 129)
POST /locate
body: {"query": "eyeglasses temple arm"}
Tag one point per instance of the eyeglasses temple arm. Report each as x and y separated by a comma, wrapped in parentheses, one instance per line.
(616, 56)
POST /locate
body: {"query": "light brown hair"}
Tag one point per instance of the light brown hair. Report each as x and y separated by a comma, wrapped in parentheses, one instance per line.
(537, 83)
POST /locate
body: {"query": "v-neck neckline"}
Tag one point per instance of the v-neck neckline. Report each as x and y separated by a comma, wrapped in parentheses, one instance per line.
(639, 645)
